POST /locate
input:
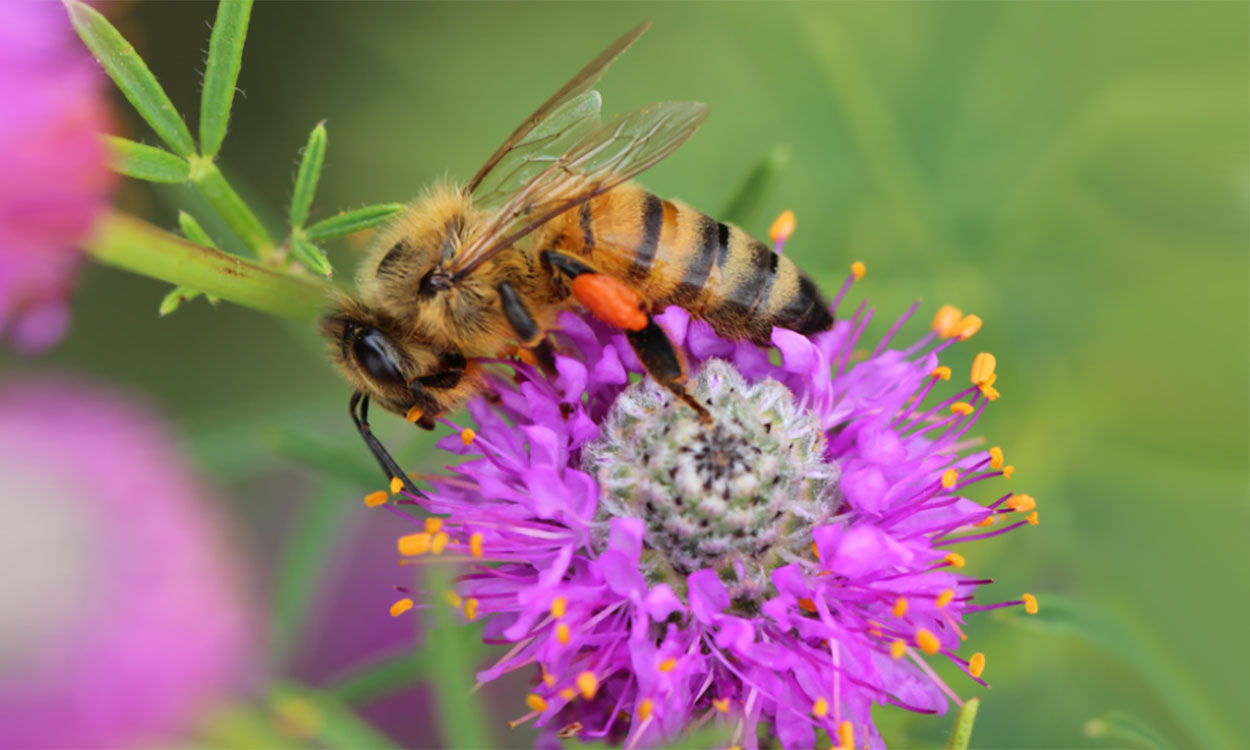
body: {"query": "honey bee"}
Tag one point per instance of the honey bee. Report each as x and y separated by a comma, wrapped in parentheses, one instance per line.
(551, 222)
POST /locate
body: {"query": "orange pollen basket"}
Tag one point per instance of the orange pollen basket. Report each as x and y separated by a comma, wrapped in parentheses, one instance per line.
(610, 301)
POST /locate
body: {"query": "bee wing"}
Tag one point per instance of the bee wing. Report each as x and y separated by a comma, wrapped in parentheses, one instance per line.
(518, 144)
(607, 155)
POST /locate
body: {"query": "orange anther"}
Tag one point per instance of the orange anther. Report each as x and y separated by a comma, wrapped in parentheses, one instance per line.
(411, 545)
(610, 300)
(968, 327)
(946, 320)
(782, 227)
(588, 684)
(900, 607)
(927, 641)
(536, 702)
(996, 457)
(668, 665)
(470, 608)
(374, 499)
(451, 598)
(413, 414)
(1031, 518)
(568, 694)
(559, 606)
(846, 736)
(439, 542)
(1021, 503)
(644, 709)
(949, 478)
(1008, 471)
(983, 369)
(897, 649)
(807, 604)
(858, 269)
(942, 372)
(475, 545)
(962, 407)
(433, 525)
(954, 559)
(821, 707)
(397, 484)
(400, 607)
(1030, 603)
(987, 521)
(562, 633)
(467, 435)
(945, 597)
(976, 665)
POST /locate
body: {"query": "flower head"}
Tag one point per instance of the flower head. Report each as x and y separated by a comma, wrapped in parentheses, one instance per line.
(54, 181)
(792, 564)
(122, 613)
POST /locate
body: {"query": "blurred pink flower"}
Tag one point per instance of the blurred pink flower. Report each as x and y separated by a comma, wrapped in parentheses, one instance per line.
(54, 181)
(122, 617)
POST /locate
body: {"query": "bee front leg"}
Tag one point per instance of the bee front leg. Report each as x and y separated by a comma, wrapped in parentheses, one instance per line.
(613, 302)
(527, 330)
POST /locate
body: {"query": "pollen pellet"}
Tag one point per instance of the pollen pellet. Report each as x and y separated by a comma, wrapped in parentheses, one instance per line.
(412, 545)
(433, 525)
(559, 606)
(414, 414)
(467, 435)
(897, 649)
(400, 607)
(996, 457)
(588, 684)
(536, 702)
(610, 300)
(782, 227)
(1030, 603)
(374, 499)
(668, 665)
(900, 607)
(644, 709)
(942, 372)
(944, 598)
(820, 707)
(470, 608)
(927, 641)
(983, 369)
(858, 269)
(949, 478)
(946, 319)
(475, 545)
(961, 407)
(397, 484)
(976, 665)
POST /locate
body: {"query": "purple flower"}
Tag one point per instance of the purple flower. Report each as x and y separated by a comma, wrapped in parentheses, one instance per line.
(791, 566)
(122, 616)
(54, 181)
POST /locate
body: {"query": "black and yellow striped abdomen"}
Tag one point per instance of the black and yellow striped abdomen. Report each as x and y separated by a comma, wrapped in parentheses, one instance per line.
(675, 255)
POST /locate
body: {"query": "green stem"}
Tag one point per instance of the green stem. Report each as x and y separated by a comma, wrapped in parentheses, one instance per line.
(212, 184)
(130, 243)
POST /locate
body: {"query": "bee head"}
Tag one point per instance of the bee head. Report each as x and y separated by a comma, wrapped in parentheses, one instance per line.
(399, 373)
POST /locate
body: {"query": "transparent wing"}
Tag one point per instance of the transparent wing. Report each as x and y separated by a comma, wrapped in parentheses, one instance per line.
(577, 86)
(607, 155)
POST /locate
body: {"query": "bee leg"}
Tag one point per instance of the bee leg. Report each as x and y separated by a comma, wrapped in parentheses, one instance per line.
(614, 302)
(360, 401)
(656, 353)
(526, 328)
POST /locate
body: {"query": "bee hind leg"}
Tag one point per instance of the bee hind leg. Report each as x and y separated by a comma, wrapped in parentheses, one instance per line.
(527, 330)
(658, 357)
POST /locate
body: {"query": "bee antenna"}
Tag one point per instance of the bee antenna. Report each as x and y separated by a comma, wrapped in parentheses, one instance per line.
(389, 466)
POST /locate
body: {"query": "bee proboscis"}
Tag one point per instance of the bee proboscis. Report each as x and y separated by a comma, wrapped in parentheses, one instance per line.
(548, 223)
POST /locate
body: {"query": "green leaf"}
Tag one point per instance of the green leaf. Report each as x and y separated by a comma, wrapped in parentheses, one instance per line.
(309, 254)
(353, 221)
(309, 173)
(176, 298)
(451, 658)
(312, 715)
(129, 243)
(146, 162)
(754, 188)
(131, 74)
(213, 185)
(225, 56)
(961, 733)
(192, 230)
(1122, 727)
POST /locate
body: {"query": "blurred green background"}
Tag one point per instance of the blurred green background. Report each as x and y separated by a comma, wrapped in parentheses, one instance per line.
(1075, 173)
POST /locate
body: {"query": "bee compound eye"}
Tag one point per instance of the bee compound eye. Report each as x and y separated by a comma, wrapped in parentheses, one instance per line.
(373, 353)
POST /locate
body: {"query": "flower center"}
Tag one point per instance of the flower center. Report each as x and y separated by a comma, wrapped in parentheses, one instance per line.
(739, 496)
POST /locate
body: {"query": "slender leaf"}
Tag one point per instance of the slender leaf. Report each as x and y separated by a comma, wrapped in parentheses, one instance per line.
(961, 733)
(192, 230)
(309, 254)
(221, 74)
(177, 297)
(1122, 727)
(754, 188)
(381, 680)
(308, 714)
(451, 662)
(129, 243)
(309, 172)
(213, 185)
(146, 162)
(353, 221)
(131, 74)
